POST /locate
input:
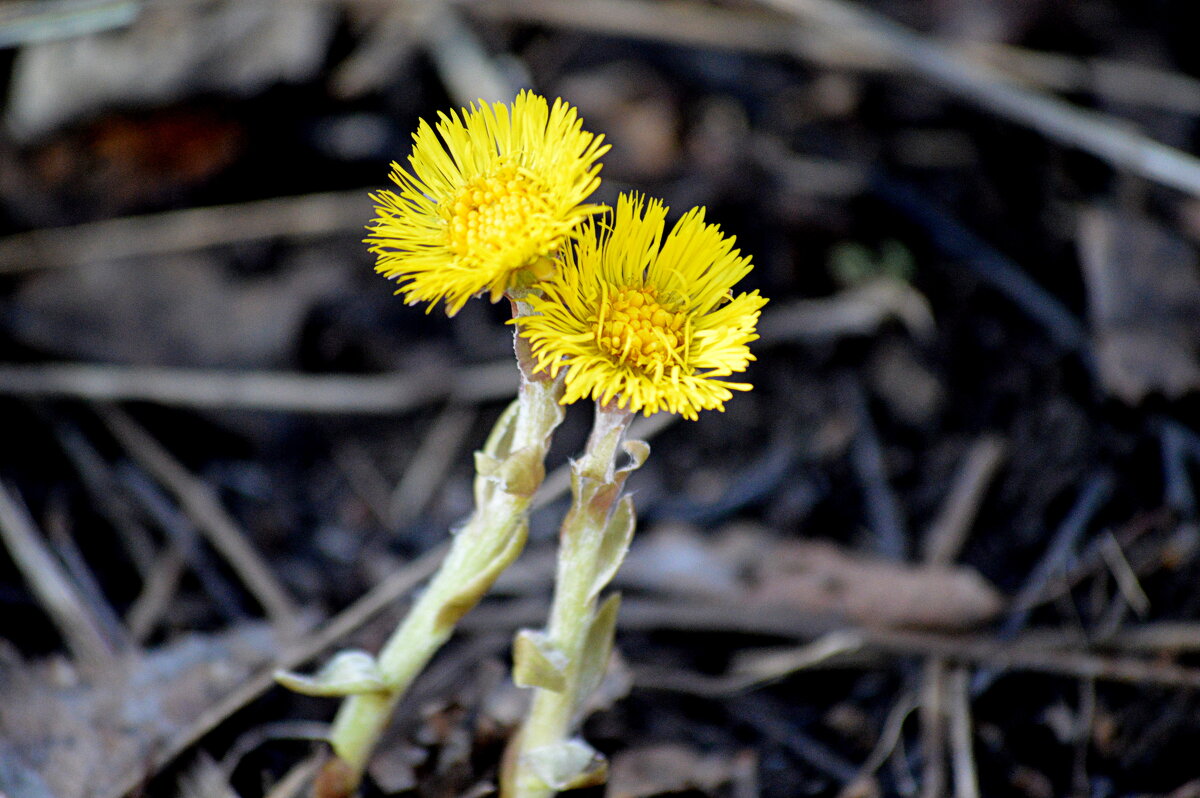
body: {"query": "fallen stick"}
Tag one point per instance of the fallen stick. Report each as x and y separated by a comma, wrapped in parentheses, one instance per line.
(199, 501)
(52, 587)
(993, 91)
(843, 35)
(387, 394)
(1033, 652)
(304, 217)
(384, 394)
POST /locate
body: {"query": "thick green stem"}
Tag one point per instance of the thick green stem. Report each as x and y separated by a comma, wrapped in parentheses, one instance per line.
(362, 718)
(510, 470)
(540, 746)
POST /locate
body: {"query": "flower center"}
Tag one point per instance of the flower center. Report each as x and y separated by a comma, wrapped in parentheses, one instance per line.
(639, 332)
(496, 213)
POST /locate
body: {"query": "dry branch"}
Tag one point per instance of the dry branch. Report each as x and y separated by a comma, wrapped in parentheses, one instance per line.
(844, 35)
(966, 777)
(54, 590)
(945, 537)
(1048, 653)
(995, 92)
(206, 512)
(304, 217)
(228, 390)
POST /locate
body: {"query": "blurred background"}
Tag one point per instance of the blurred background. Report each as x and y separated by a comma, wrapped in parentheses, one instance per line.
(947, 545)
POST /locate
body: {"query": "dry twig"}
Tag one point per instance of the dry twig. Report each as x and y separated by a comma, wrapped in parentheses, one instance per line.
(309, 216)
(54, 590)
(946, 535)
(227, 390)
(943, 542)
(844, 35)
(198, 499)
(158, 589)
(993, 91)
(438, 451)
(1054, 653)
(966, 779)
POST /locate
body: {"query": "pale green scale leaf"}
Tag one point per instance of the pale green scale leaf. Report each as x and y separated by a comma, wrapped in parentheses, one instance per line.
(567, 765)
(618, 535)
(510, 542)
(523, 471)
(499, 440)
(350, 672)
(487, 466)
(537, 662)
(597, 649)
(638, 451)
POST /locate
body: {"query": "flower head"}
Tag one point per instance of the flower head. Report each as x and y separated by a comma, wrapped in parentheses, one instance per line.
(492, 192)
(646, 321)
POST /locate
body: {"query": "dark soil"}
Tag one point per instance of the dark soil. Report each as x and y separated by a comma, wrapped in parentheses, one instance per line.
(1050, 306)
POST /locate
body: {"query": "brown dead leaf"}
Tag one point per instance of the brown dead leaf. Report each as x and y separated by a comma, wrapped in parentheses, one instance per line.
(676, 558)
(753, 566)
(666, 768)
(1144, 300)
(821, 578)
(83, 739)
(179, 311)
(166, 53)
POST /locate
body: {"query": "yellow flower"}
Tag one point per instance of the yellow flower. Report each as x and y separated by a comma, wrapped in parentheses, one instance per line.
(649, 322)
(500, 191)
